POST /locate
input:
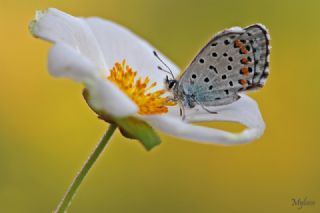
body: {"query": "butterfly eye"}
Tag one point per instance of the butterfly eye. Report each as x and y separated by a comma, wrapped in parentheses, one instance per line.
(171, 84)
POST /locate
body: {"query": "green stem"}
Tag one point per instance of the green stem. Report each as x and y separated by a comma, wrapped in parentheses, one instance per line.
(66, 200)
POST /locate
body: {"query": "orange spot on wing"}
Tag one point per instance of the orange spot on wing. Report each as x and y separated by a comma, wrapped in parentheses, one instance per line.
(244, 61)
(243, 50)
(237, 43)
(243, 82)
(244, 71)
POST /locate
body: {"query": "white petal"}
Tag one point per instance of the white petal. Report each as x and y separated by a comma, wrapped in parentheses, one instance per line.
(59, 27)
(244, 111)
(105, 96)
(118, 43)
(64, 61)
(77, 55)
(177, 128)
(102, 42)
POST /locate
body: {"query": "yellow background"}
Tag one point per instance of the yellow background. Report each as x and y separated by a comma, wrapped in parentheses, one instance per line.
(47, 131)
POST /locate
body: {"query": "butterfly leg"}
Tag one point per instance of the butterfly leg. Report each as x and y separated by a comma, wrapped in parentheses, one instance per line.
(170, 98)
(204, 108)
(209, 111)
(182, 111)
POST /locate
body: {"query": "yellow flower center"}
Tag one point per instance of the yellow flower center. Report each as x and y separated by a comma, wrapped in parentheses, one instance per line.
(148, 102)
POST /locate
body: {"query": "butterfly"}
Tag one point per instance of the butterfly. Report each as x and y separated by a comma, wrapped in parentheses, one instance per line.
(233, 61)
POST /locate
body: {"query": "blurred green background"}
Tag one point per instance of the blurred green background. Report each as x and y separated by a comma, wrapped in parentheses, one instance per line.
(47, 131)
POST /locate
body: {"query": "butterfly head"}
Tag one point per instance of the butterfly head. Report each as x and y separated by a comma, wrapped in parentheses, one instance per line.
(170, 83)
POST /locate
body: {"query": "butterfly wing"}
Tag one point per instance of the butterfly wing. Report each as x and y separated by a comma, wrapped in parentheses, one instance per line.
(234, 61)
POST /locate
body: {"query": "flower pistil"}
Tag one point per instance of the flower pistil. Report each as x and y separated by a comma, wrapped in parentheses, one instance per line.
(138, 90)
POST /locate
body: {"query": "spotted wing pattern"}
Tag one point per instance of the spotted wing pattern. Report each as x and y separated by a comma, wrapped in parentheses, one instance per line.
(234, 61)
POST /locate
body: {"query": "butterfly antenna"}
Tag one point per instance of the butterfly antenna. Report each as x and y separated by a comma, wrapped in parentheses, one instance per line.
(160, 68)
(166, 71)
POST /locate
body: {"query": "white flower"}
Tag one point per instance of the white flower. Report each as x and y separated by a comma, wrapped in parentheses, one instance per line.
(86, 49)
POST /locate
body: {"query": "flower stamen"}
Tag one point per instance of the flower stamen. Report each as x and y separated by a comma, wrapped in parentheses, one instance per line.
(148, 102)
